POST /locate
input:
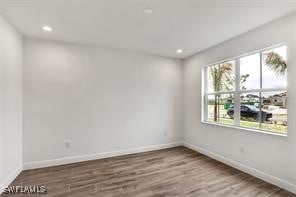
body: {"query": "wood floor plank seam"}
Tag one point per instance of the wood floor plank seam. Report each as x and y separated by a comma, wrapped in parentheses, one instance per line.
(172, 172)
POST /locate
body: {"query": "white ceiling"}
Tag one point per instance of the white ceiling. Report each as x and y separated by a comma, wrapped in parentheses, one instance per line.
(192, 25)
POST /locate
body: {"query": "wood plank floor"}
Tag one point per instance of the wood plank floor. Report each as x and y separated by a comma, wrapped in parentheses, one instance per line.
(169, 172)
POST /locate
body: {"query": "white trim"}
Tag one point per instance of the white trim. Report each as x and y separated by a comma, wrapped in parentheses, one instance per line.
(247, 169)
(237, 98)
(237, 91)
(248, 91)
(247, 54)
(204, 90)
(246, 128)
(257, 173)
(80, 158)
(10, 178)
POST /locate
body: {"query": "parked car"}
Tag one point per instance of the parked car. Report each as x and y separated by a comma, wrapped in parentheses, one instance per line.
(250, 111)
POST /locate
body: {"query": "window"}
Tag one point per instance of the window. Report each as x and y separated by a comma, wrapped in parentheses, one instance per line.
(249, 91)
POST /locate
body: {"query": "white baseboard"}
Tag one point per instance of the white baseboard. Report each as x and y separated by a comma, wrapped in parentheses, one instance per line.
(252, 171)
(257, 173)
(11, 178)
(68, 160)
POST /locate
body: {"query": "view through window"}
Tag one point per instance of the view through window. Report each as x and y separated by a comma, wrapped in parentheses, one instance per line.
(249, 91)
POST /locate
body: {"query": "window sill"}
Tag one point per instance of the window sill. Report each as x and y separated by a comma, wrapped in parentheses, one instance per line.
(246, 129)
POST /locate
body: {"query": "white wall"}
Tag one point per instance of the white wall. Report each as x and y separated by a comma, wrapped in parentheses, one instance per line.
(10, 103)
(273, 155)
(103, 100)
(100, 100)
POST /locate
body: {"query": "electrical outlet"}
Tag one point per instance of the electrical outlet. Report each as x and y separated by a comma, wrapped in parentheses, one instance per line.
(67, 144)
(242, 150)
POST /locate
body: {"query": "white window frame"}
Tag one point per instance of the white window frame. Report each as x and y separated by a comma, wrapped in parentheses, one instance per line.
(237, 92)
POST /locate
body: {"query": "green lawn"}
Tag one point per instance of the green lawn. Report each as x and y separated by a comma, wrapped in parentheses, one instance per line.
(276, 128)
(254, 125)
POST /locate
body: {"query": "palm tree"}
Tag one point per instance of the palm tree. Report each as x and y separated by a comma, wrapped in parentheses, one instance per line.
(223, 79)
(219, 74)
(276, 63)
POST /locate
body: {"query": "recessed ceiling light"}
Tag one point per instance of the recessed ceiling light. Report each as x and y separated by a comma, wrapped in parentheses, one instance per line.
(47, 28)
(148, 10)
(179, 51)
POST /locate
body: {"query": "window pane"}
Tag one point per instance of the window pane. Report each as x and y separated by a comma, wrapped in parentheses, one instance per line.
(211, 73)
(211, 106)
(221, 77)
(274, 68)
(227, 78)
(249, 110)
(226, 105)
(274, 111)
(220, 108)
(250, 72)
(258, 109)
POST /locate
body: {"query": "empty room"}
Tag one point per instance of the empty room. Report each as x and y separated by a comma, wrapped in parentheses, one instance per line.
(148, 98)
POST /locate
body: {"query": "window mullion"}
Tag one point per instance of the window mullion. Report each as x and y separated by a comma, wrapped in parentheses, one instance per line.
(205, 96)
(237, 93)
(271, 96)
(260, 94)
